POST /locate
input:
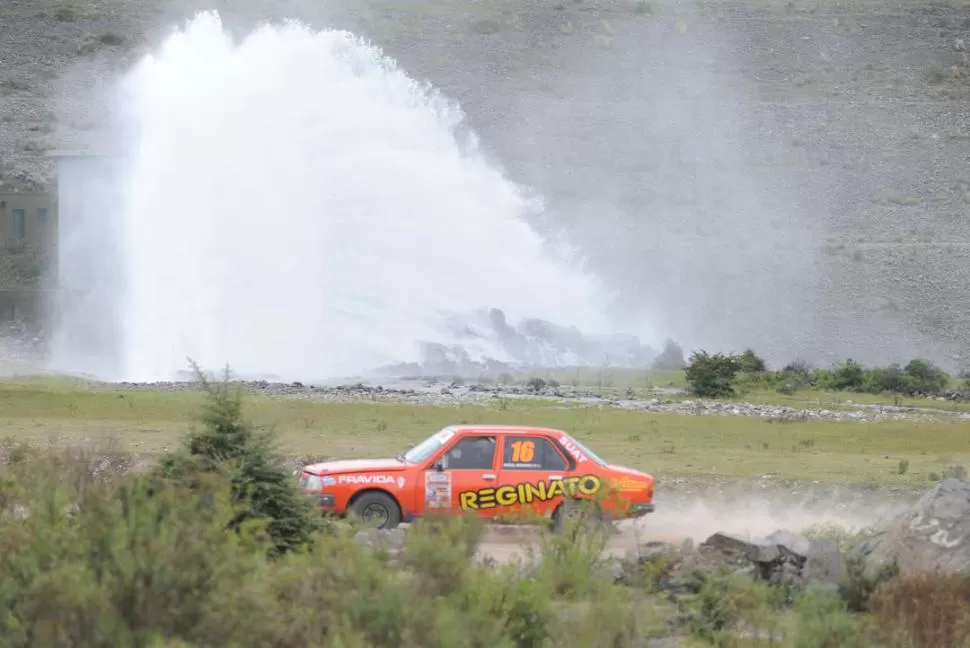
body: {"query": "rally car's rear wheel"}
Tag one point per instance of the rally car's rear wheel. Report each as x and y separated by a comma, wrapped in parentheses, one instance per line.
(377, 509)
(573, 515)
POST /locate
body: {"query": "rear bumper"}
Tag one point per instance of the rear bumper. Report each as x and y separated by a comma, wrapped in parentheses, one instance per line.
(641, 509)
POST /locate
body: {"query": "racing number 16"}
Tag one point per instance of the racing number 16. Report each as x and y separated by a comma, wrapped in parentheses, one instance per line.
(523, 451)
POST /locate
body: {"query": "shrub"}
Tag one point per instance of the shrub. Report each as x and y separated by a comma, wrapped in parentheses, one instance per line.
(536, 383)
(848, 376)
(711, 376)
(749, 362)
(923, 377)
(822, 621)
(858, 585)
(924, 610)
(728, 604)
(672, 357)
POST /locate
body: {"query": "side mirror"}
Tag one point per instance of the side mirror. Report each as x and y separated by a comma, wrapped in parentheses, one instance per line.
(438, 465)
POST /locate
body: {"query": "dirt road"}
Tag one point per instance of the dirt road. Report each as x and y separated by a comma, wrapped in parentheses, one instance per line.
(750, 509)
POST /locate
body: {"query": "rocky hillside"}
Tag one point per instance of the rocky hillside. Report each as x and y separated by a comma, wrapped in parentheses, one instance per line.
(787, 174)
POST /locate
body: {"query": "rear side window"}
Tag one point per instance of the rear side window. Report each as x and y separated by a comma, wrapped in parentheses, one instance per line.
(531, 453)
(471, 453)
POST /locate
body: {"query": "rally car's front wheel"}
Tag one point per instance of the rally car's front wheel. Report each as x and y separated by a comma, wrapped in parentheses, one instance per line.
(377, 509)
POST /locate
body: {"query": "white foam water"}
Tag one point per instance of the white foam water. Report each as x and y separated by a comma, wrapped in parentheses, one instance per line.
(295, 204)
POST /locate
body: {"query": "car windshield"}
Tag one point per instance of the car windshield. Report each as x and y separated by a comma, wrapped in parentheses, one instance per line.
(589, 453)
(429, 446)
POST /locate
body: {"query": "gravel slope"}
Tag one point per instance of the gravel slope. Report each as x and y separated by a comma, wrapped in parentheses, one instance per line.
(792, 176)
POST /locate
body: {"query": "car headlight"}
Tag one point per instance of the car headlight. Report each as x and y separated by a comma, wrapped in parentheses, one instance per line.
(313, 483)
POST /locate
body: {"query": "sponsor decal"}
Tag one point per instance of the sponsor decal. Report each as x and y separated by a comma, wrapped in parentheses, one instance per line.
(629, 485)
(520, 455)
(437, 489)
(329, 481)
(573, 449)
(528, 492)
(387, 480)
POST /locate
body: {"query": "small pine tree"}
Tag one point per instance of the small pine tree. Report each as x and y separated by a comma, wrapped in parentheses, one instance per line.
(261, 487)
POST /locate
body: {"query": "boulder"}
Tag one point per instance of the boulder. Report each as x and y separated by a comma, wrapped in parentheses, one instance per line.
(648, 552)
(783, 556)
(931, 535)
(756, 550)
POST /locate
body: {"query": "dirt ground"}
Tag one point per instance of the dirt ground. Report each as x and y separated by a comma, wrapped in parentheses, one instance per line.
(691, 511)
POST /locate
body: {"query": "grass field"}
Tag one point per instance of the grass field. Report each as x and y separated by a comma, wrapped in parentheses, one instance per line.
(903, 453)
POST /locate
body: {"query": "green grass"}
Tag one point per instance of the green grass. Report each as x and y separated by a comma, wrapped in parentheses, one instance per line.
(665, 444)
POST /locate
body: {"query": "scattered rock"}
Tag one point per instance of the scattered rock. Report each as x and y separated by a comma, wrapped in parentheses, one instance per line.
(649, 551)
(933, 534)
(390, 540)
(783, 556)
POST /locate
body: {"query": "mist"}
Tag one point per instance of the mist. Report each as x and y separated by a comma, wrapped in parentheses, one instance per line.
(705, 207)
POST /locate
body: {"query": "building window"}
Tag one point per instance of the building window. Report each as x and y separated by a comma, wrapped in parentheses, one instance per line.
(42, 215)
(19, 224)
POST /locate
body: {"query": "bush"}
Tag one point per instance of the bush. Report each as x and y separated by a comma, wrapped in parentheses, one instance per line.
(822, 621)
(923, 377)
(917, 378)
(848, 376)
(261, 485)
(712, 376)
(924, 610)
(858, 585)
(672, 357)
(749, 362)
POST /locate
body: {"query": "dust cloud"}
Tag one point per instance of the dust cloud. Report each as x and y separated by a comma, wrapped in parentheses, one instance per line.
(751, 517)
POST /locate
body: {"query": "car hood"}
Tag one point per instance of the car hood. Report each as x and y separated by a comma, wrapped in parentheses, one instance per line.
(356, 466)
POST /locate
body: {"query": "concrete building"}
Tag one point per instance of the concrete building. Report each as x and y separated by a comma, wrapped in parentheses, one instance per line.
(28, 232)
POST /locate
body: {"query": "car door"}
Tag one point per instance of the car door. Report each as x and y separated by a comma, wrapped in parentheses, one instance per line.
(531, 476)
(462, 477)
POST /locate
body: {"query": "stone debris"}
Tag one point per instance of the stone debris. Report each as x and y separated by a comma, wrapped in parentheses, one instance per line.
(783, 556)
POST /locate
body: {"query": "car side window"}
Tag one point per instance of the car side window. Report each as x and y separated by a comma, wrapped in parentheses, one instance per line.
(471, 453)
(531, 453)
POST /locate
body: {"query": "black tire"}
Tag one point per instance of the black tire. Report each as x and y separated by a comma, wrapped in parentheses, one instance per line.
(589, 512)
(377, 506)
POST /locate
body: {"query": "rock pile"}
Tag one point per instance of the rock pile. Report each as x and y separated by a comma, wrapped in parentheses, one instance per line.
(782, 557)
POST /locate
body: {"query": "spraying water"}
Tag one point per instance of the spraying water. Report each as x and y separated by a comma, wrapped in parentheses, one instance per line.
(294, 204)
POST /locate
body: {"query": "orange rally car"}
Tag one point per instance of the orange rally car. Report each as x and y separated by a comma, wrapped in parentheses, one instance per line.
(498, 472)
